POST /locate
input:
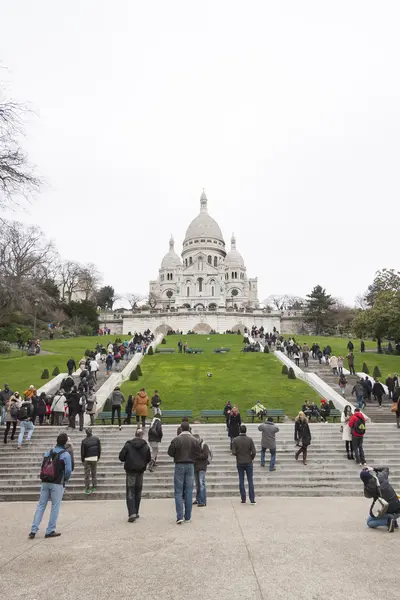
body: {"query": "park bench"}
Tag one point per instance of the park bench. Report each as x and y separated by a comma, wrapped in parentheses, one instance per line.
(166, 414)
(335, 414)
(276, 413)
(165, 350)
(212, 414)
(221, 350)
(194, 350)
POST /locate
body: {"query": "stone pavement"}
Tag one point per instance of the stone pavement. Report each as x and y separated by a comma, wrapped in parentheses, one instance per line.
(282, 548)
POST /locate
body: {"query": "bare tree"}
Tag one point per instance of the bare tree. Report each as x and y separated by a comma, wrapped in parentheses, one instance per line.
(133, 299)
(89, 281)
(153, 300)
(17, 176)
(284, 302)
(70, 277)
(25, 254)
(360, 301)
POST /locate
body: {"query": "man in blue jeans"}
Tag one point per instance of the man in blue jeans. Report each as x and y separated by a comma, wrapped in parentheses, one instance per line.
(268, 442)
(25, 414)
(184, 450)
(200, 469)
(244, 450)
(52, 488)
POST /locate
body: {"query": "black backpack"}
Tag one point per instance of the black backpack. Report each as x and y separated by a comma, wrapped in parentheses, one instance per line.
(359, 427)
(24, 412)
(14, 410)
(53, 468)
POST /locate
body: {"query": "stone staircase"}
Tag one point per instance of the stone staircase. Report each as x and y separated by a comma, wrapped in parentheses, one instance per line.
(328, 472)
(376, 414)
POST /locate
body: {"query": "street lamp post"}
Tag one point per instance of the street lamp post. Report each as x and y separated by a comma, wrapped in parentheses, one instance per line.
(35, 303)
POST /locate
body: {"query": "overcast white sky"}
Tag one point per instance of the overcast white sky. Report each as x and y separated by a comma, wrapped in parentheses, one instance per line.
(287, 113)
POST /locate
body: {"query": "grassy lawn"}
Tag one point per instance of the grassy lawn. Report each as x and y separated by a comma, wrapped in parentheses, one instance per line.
(387, 363)
(20, 370)
(182, 381)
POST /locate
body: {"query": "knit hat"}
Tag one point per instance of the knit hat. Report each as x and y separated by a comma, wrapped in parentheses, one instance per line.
(89, 431)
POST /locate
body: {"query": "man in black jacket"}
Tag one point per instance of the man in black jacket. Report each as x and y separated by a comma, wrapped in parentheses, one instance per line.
(136, 456)
(155, 436)
(184, 450)
(378, 391)
(71, 366)
(200, 469)
(244, 450)
(90, 455)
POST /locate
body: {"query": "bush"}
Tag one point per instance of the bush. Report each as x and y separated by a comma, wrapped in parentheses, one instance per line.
(285, 370)
(86, 330)
(150, 351)
(139, 370)
(291, 374)
(129, 333)
(5, 348)
(45, 374)
(376, 373)
(12, 332)
(118, 341)
(163, 341)
(133, 376)
(266, 349)
(365, 369)
(56, 371)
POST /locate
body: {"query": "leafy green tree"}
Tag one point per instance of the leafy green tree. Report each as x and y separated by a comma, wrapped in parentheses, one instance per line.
(382, 319)
(105, 297)
(82, 313)
(319, 309)
(384, 280)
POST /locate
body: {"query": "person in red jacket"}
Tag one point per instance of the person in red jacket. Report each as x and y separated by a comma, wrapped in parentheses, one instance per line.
(357, 427)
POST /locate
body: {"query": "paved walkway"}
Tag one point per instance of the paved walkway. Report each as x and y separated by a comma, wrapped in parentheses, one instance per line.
(282, 548)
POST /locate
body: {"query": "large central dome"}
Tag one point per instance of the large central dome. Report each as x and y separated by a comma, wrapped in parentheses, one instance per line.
(203, 225)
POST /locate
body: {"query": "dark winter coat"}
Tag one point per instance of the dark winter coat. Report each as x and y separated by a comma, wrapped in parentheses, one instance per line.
(90, 446)
(244, 450)
(155, 431)
(302, 433)
(378, 389)
(136, 455)
(184, 448)
(387, 491)
(41, 405)
(73, 403)
(234, 424)
(390, 383)
(129, 405)
(202, 458)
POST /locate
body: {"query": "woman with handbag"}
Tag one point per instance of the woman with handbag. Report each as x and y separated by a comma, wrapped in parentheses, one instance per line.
(346, 431)
(302, 436)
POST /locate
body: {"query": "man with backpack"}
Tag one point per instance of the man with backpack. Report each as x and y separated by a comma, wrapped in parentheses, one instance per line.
(357, 427)
(55, 472)
(155, 436)
(203, 459)
(136, 456)
(25, 414)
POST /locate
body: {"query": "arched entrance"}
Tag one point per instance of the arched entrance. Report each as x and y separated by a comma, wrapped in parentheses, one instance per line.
(202, 328)
(239, 327)
(163, 329)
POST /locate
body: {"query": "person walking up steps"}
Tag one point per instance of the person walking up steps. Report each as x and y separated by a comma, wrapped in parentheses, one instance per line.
(378, 391)
(357, 427)
(117, 398)
(200, 470)
(136, 456)
(55, 472)
(90, 455)
(268, 442)
(155, 403)
(302, 435)
(12, 407)
(155, 436)
(141, 406)
(184, 450)
(25, 422)
(244, 450)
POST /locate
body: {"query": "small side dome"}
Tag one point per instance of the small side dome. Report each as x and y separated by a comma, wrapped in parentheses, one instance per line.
(171, 260)
(234, 258)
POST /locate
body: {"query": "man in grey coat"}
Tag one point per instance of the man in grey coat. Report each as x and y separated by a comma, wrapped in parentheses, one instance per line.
(268, 429)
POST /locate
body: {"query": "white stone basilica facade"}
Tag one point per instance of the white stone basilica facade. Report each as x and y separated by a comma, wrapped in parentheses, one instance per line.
(206, 277)
(205, 289)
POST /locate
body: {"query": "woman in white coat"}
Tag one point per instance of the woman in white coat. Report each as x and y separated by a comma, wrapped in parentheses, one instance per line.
(346, 431)
(333, 361)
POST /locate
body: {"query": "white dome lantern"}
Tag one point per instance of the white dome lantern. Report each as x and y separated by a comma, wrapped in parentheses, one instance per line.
(203, 226)
(171, 260)
(234, 258)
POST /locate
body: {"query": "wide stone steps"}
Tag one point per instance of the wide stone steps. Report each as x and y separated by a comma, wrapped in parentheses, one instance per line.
(328, 471)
